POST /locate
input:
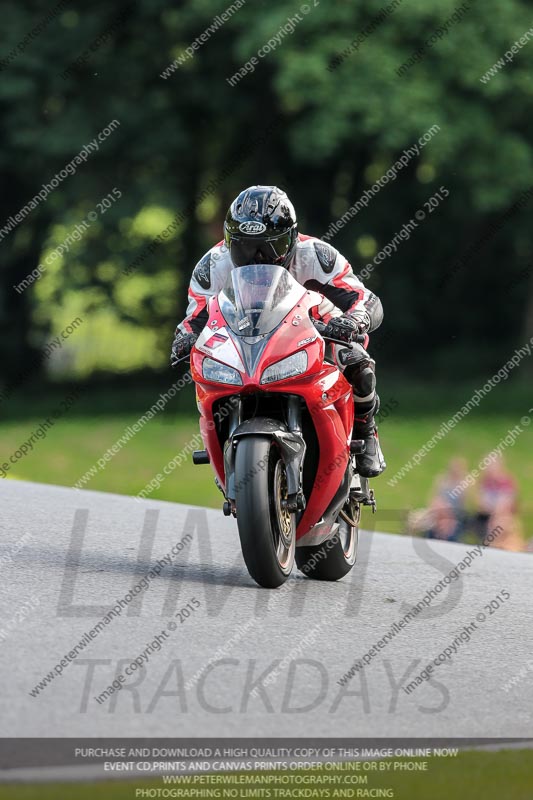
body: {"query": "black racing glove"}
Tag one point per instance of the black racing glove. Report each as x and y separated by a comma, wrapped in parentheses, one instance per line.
(361, 319)
(342, 328)
(182, 346)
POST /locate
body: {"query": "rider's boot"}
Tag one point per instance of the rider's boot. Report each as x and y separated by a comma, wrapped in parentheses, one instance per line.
(371, 462)
(360, 373)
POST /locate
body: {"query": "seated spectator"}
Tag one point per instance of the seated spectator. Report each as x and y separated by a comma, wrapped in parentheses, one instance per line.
(448, 511)
(445, 516)
(498, 507)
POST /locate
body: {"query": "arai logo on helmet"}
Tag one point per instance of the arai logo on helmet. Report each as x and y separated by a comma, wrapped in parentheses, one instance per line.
(252, 227)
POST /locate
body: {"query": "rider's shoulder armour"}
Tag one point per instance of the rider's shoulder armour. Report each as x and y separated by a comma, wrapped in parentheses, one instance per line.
(327, 256)
(202, 271)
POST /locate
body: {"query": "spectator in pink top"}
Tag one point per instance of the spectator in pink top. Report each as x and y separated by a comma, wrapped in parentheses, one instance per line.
(498, 506)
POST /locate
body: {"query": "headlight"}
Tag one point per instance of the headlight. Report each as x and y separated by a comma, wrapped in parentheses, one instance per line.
(220, 373)
(286, 368)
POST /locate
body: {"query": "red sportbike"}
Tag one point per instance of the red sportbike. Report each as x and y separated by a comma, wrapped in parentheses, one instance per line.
(276, 418)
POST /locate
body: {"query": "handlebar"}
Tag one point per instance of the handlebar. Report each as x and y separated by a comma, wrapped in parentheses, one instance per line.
(321, 327)
(176, 361)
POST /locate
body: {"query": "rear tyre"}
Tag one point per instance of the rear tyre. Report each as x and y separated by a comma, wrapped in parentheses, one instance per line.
(334, 558)
(267, 530)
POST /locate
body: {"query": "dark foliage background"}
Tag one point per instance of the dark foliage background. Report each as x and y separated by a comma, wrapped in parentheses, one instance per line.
(191, 141)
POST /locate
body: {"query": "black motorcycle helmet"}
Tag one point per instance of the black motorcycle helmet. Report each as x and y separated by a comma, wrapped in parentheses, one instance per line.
(261, 227)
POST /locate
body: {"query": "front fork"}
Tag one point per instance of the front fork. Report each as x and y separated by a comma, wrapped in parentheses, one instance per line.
(228, 507)
(296, 501)
(235, 416)
(294, 414)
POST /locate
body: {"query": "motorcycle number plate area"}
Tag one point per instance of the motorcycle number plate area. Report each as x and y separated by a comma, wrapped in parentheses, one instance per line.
(220, 346)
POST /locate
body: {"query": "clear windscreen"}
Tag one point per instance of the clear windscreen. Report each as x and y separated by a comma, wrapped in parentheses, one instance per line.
(257, 298)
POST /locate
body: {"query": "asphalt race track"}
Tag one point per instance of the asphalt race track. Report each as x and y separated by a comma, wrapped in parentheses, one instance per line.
(67, 556)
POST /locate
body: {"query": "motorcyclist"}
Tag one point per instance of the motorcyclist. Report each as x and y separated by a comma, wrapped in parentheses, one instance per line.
(261, 227)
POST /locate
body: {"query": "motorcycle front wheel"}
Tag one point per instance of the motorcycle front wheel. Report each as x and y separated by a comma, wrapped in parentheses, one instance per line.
(334, 558)
(266, 528)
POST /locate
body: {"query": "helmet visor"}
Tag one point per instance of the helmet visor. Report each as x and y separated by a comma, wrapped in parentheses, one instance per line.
(271, 250)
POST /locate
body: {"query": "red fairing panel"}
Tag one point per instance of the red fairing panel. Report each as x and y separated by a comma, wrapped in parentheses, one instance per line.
(333, 419)
(206, 395)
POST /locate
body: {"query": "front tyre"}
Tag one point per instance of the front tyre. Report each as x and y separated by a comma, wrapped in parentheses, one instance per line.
(334, 558)
(266, 528)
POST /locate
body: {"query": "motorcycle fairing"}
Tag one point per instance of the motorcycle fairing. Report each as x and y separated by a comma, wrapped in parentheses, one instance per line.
(325, 391)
